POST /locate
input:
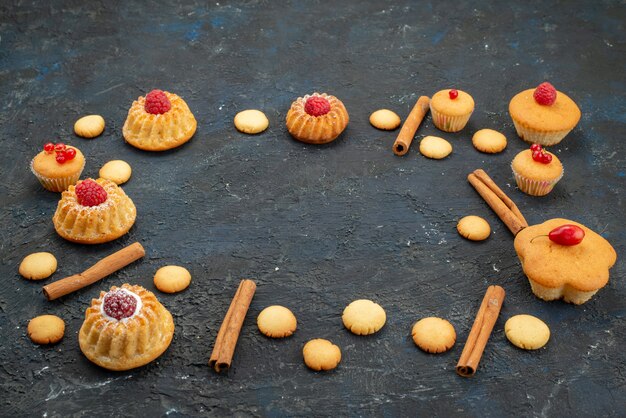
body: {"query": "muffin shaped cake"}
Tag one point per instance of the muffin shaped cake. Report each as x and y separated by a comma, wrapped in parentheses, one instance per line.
(158, 122)
(125, 328)
(451, 109)
(536, 171)
(93, 212)
(568, 267)
(543, 115)
(58, 166)
(317, 118)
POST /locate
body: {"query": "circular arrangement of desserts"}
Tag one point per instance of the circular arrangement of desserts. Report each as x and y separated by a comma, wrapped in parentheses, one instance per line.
(128, 327)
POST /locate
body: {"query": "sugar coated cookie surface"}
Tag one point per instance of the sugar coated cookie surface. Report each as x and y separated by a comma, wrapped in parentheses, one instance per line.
(89, 126)
(276, 322)
(433, 335)
(364, 317)
(385, 119)
(46, 329)
(321, 354)
(251, 121)
(38, 266)
(117, 171)
(172, 279)
(527, 332)
(473, 228)
(435, 147)
(489, 141)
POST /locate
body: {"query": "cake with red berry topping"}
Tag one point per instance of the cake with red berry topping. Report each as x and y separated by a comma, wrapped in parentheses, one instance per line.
(451, 109)
(536, 170)
(543, 115)
(317, 118)
(58, 166)
(125, 328)
(158, 122)
(565, 260)
(93, 212)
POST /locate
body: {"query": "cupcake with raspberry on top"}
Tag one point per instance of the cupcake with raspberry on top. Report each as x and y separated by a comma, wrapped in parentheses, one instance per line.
(58, 166)
(536, 170)
(317, 118)
(543, 115)
(159, 121)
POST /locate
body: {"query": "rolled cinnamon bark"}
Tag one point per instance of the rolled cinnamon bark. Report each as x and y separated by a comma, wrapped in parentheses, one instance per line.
(226, 341)
(98, 271)
(481, 330)
(410, 125)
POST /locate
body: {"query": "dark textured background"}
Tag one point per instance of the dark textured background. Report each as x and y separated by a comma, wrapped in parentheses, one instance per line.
(315, 226)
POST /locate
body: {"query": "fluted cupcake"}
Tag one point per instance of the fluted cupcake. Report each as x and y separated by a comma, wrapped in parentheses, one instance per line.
(125, 328)
(536, 171)
(58, 166)
(317, 118)
(93, 212)
(158, 122)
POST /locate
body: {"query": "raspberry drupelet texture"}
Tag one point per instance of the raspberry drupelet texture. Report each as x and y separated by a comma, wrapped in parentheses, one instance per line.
(317, 106)
(157, 102)
(545, 94)
(90, 193)
(119, 304)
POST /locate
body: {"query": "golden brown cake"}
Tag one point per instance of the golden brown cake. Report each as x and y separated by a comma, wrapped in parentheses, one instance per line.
(571, 272)
(451, 109)
(93, 212)
(125, 328)
(58, 166)
(317, 118)
(536, 171)
(158, 122)
(543, 115)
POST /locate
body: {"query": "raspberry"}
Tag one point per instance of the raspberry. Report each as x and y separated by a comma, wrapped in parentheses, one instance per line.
(119, 304)
(317, 106)
(90, 193)
(157, 102)
(545, 94)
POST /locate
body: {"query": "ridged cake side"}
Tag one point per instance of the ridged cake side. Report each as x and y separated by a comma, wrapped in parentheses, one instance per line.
(130, 342)
(94, 224)
(317, 129)
(159, 132)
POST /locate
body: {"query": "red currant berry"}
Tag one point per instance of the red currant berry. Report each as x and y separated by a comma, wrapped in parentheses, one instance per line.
(537, 156)
(60, 146)
(70, 153)
(60, 157)
(48, 147)
(535, 147)
(546, 158)
(454, 93)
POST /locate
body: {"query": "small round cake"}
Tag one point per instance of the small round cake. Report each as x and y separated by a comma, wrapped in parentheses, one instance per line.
(451, 109)
(543, 115)
(317, 118)
(536, 171)
(124, 328)
(58, 166)
(93, 212)
(158, 122)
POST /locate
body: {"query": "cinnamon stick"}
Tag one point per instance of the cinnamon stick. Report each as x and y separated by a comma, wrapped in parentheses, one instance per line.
(98, 271)
(497, 200)
(410, 125)
(481, 330)
(227, 336)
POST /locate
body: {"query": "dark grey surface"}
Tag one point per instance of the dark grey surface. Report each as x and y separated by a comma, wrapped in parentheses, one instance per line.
(315, 226)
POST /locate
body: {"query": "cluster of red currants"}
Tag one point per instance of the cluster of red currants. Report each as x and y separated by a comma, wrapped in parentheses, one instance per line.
(63, 152)
(540, 155)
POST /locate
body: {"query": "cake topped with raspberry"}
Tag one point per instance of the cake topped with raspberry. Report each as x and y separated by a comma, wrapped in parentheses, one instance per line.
(317, 118)
(159, 121)
(543, 115)
(93, 212)
(124, 328)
